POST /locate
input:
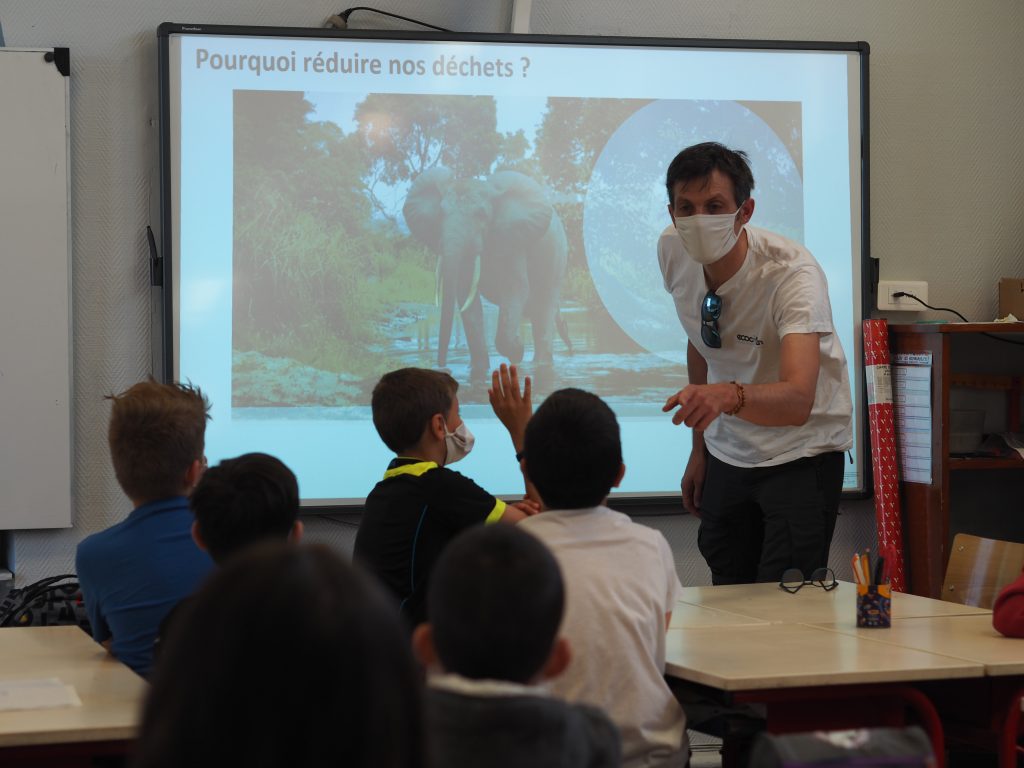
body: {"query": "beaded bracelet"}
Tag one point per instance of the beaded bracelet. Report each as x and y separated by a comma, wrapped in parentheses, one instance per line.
(741, 396)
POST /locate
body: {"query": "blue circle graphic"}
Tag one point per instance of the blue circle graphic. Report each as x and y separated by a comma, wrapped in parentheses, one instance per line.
(625, 210)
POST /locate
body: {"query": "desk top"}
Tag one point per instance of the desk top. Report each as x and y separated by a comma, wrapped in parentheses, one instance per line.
(812, 605)
(963, 637)
(110, 692)
(773, 656)
(690, 616)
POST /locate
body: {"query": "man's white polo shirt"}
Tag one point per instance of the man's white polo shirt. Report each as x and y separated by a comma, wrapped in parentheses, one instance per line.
(779, 289)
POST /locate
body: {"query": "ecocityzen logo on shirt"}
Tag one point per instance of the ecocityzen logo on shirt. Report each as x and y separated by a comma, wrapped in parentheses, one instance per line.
(749, 339)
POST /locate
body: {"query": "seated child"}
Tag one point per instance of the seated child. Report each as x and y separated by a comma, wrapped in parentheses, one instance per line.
(1008, 611)
(287, 656)
(236, 504)
(621, 582)
(420, 505)
(134, 572)
(244, 500)
(495, 603)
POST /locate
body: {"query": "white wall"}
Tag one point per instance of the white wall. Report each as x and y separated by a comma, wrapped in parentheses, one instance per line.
(947, 192)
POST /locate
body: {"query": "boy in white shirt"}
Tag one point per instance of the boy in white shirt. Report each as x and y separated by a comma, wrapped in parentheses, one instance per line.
(620, 577)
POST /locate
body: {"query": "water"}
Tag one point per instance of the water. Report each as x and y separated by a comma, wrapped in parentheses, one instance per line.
(603, 360)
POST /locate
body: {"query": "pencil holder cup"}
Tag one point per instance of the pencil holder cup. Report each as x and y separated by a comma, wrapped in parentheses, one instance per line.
(874, 605)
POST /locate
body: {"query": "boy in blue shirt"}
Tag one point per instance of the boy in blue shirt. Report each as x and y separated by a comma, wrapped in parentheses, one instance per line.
(134, 572)
(420, 505)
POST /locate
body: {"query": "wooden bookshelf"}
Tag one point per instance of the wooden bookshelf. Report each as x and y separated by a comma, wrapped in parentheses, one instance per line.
(964, 355)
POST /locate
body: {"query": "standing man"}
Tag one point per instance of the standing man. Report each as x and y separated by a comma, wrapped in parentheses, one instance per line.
(768, 397)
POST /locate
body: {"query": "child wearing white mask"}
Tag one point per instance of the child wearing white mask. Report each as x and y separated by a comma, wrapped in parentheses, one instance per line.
(421, 504)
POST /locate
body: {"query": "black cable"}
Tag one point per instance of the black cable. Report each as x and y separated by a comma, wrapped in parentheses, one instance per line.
(343, 15)
(33, 591)
(899, 294)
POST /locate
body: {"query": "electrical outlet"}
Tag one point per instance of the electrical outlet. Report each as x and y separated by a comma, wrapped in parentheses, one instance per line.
(887, 302)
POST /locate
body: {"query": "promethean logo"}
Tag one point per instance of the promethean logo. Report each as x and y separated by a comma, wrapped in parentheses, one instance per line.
(750, 339)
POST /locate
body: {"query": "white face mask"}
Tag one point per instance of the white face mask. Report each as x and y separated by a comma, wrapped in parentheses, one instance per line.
(707, 238)
(458, 444)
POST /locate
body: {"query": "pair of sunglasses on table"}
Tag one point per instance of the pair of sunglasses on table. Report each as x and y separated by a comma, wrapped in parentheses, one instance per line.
(793, 579)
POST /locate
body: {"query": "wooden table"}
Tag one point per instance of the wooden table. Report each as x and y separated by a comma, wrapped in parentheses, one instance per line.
(812, 605)
(690, 616)
(811, 666)
(979, 710)
(963, 637)
(110, 692)
(781, 656)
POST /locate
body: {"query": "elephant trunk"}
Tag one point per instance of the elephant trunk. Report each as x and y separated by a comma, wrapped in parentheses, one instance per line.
(448, 291)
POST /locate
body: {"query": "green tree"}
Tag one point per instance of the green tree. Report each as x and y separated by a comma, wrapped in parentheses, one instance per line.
(301, 245)
(405, 135)
(313, 163)
(572, 135)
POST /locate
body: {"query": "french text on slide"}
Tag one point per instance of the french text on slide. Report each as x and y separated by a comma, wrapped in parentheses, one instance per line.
(332, 63)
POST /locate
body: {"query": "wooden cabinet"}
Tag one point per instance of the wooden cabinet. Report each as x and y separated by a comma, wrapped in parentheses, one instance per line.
(984, 496)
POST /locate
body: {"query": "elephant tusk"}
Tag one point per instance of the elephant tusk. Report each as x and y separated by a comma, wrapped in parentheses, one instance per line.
(437, 283)
(473, 286)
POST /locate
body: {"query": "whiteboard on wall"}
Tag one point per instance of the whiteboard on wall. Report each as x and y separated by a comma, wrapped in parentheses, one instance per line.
(35, 290)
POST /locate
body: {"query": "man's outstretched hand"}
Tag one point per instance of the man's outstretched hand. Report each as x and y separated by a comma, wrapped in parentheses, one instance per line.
(700, 404)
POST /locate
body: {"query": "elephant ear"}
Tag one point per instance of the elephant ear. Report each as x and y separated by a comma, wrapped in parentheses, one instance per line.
(522, 213)
(422, 209)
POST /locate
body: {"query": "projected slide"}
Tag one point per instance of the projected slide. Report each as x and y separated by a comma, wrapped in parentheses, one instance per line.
(415, 230)
(347, 207)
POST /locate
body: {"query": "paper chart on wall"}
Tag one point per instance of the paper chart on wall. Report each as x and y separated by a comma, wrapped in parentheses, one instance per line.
(912, 395)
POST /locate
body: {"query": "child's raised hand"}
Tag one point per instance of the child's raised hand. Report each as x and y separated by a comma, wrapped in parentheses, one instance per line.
(512, 406)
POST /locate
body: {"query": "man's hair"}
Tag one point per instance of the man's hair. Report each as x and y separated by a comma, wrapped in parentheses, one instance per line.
(286, 656)
(404, 401)
(573, 451)
(244, 500)
(698, 161)
(156, 431)
(495, 603)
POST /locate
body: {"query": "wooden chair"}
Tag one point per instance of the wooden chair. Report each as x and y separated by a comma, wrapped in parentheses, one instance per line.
(979, 568)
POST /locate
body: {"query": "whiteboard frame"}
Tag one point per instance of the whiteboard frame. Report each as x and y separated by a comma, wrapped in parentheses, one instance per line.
(36, 356)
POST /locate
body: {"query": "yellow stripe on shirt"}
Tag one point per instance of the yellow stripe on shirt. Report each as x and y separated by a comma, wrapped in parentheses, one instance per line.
(496, 513)
(417, 469)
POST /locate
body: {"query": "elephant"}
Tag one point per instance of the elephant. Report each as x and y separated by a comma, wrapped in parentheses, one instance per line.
(499, 238)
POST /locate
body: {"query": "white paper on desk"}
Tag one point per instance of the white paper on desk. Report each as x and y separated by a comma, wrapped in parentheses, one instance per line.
(912, 404)
(41, 693)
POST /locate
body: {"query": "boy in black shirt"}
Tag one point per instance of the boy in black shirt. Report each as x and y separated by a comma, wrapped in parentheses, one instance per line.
(421, 505)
